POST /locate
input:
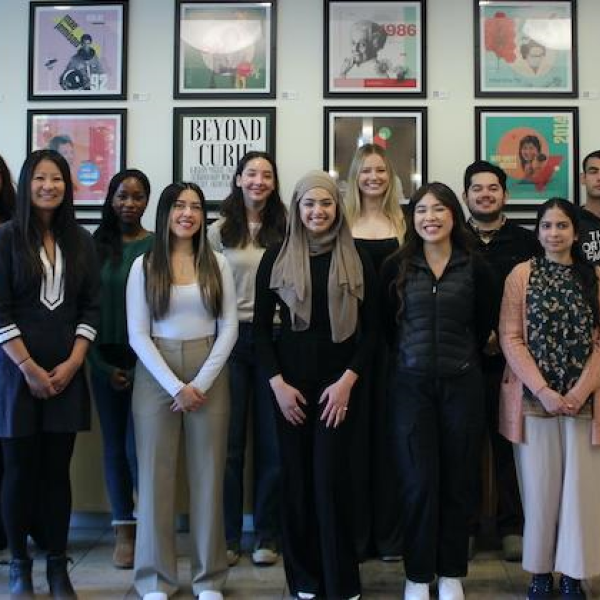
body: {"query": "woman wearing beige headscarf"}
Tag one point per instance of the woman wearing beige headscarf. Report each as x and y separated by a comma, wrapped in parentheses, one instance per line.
(325, 294)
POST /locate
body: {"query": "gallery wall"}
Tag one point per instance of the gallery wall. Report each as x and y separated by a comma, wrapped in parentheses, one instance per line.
(299, 102)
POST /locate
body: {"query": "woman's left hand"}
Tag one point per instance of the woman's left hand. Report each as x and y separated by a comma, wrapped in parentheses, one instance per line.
(63, 373)
(572, 405)
(337, 396)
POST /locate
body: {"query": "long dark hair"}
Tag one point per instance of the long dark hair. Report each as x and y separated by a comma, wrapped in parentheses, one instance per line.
(584, 271)
(109, 235)
(7, 192)
(235, 231)
(157, 263)
(413, 243)
(534, 140)
(63, 226)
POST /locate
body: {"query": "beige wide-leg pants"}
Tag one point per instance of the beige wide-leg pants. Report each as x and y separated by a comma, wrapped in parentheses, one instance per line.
(559, 478)
(157, 433)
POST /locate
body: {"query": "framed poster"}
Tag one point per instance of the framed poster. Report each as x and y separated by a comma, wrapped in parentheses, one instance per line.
(525, 48)
(538, 149)
(402, 132)
(209, 142)
(78, 50)
(93, 143)
(374, 48)
(225, 49)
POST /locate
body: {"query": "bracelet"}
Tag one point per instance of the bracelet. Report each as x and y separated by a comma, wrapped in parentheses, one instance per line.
(23, 361)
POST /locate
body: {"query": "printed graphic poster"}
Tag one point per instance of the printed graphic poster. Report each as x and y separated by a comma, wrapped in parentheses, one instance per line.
(78, 50)
(375, 46)
(91, 144)
(225, 48)
(212, 146)
(399, 135)
(526, 47)
(535, 150)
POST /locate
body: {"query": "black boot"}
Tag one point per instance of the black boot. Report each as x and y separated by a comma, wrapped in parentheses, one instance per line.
(19, 579)
(58, 578)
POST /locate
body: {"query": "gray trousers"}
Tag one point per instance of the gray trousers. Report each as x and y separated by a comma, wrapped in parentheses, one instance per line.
(559, 478)
(157, 432)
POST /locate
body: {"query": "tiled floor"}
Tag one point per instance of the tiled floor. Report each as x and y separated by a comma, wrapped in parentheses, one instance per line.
(94, 577)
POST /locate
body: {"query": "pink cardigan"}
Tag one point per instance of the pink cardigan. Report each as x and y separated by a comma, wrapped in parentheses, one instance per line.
(521, 368)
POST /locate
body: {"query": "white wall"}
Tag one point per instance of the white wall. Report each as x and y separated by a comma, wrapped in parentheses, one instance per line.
(299, 68)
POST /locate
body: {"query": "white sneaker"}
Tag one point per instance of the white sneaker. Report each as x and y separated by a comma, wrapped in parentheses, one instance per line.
(306, 596)
(416, 591)
(155, 596)
(210, 595)
(450, 588)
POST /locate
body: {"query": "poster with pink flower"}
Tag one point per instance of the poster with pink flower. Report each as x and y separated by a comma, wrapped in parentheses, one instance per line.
(525, 49)
(77, 50)
(91, 141)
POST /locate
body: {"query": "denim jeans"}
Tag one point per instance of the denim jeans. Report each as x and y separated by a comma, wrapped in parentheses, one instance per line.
(250, 390)
(120, 463)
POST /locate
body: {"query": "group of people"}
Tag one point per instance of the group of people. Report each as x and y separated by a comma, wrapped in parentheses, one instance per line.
(369, 346)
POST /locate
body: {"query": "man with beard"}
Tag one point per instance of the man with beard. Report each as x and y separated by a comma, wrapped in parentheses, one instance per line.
(589, 225)
(504, 244)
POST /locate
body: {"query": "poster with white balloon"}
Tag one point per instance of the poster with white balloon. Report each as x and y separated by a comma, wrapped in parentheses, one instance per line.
(225, 49)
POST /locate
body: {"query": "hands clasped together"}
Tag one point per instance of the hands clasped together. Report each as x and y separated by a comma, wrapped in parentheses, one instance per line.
(189, 399)
(557, 404)
(46, 384)
(336, 396)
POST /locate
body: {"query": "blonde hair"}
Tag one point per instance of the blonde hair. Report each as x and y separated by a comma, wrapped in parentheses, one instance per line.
(390, 205)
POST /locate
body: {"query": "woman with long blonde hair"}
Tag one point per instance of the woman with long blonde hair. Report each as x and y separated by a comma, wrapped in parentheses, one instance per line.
(377, 222)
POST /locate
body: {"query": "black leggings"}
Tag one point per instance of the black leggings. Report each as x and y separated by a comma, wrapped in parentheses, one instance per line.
(36, 477)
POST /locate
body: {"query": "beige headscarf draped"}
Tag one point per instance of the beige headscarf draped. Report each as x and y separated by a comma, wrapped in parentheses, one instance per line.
(290, 276)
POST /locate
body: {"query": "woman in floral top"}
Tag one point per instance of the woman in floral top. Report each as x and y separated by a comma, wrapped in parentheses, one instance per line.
(550, 403)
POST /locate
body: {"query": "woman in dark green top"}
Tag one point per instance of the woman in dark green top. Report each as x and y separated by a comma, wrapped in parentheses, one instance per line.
(120, 239)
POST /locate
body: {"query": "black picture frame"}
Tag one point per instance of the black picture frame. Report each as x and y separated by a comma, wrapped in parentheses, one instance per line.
(525, 48)
(78, 50)
(549, 166)
(401, 131)
(202, 69)
(391, 63)
(94, 143)
(208, 142)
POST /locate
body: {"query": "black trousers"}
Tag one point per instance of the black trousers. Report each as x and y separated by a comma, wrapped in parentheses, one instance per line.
(509, 511)
(437, 424)
(36, 474)
(375, 480)
(317, 537)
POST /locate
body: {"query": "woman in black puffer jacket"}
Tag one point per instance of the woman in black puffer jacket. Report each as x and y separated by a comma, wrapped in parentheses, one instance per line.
(436, 301)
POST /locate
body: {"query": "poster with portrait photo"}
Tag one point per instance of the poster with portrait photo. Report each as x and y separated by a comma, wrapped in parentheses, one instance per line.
(77, 50)
(402, 133)
(209, 143)
(92, 142)
(525, 49)
(374, 48)
(225, 49)
(536, 147)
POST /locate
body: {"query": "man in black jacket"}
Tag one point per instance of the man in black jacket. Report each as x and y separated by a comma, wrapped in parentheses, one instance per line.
(503, 244)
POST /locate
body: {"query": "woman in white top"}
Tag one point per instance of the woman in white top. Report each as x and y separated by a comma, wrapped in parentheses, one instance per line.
(179, 296)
